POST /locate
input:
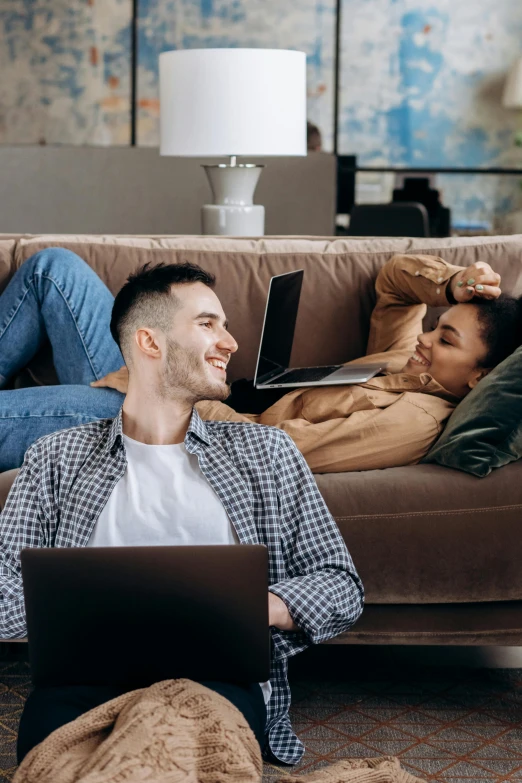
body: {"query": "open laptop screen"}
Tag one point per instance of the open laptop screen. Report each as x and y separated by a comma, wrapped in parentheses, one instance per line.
(279, 324)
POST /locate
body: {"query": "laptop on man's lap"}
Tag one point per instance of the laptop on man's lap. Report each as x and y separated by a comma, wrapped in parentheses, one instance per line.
(138, 615)
(272, 370)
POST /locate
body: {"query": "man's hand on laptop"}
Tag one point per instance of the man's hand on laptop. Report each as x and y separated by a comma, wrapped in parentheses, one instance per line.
(278, 614)
(118, 380)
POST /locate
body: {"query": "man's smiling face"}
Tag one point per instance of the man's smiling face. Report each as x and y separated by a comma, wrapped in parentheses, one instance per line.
(198, 346)
(452, 353)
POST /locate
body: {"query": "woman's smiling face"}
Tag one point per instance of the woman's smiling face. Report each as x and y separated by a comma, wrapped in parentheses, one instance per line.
(452, 353)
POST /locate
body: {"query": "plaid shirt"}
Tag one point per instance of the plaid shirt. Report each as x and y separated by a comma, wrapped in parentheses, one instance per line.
(268, 493)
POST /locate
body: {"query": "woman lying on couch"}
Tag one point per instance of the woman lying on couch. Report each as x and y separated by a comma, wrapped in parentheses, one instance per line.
(391, 420)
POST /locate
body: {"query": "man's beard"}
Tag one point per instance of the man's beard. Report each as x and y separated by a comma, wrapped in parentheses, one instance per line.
(183, 376)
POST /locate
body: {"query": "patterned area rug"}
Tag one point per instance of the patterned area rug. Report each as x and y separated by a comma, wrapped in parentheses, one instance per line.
(15, 685)
(448, 725)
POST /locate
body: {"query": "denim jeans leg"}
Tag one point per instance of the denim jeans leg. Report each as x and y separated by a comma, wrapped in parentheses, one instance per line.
(56, 295)
(28, 414)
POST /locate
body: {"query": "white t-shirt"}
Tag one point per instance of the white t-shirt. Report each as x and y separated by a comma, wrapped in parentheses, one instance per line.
(163, 499)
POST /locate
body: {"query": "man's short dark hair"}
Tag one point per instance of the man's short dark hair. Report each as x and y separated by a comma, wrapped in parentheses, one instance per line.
(500, 322)
(147, 298)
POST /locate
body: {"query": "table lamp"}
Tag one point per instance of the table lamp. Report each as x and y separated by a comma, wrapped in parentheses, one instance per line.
(230, 103)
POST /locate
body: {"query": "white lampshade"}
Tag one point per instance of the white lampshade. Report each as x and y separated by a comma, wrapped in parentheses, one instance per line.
(512, 98)
(223, 102)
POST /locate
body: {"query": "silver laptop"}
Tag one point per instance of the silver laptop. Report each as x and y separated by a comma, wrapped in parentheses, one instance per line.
(137, 615)
(277, 337)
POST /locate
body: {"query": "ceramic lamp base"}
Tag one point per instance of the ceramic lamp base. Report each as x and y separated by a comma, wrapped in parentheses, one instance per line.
(233, 212)
(222, 220)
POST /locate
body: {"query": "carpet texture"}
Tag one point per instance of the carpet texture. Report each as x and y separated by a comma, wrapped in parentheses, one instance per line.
(446, 725)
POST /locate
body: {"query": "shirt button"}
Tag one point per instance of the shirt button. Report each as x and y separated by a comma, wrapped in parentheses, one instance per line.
(440, 279)
(438, 290)
(417, 273)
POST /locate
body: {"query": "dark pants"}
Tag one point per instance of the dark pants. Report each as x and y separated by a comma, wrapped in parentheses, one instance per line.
(47, 709)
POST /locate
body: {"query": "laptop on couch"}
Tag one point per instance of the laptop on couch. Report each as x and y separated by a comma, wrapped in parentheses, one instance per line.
(277, 337)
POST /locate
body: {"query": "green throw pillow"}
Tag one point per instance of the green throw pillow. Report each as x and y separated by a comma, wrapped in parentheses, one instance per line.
(485, 431)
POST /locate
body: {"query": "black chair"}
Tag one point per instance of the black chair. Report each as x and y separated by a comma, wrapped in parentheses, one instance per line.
(417, 190)
(389, 220)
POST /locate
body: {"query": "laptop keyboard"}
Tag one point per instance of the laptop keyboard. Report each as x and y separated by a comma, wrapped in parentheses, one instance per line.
(307, 374)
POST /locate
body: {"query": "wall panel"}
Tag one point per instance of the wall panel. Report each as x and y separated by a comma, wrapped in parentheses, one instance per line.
(421, 82)
(132, 190)
(65, 69)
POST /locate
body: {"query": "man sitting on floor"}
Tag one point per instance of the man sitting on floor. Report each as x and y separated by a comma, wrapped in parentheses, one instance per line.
(91, 486)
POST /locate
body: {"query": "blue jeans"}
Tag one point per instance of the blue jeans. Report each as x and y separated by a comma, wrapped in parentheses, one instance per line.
(56, 296)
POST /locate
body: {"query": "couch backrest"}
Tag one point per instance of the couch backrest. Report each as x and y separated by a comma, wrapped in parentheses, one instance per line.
(338, 290)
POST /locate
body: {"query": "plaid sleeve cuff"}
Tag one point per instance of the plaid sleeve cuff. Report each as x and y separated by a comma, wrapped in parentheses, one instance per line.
(322, 605)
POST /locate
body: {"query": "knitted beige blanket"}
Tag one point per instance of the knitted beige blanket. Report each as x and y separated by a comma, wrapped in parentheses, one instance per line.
(176, 731)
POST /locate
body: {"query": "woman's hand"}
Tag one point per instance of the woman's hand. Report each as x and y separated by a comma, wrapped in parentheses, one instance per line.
(118, 380)
(476, 281)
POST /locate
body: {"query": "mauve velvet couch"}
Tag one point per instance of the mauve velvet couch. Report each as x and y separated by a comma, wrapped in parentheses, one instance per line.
(439, 551)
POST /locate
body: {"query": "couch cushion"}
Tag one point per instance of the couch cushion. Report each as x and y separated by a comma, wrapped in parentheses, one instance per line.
(338, 291)
(425, 534)
(428, 534)
(485, 431)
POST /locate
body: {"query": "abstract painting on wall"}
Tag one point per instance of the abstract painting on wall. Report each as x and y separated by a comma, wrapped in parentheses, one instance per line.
(65, 71)
(421, 82)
